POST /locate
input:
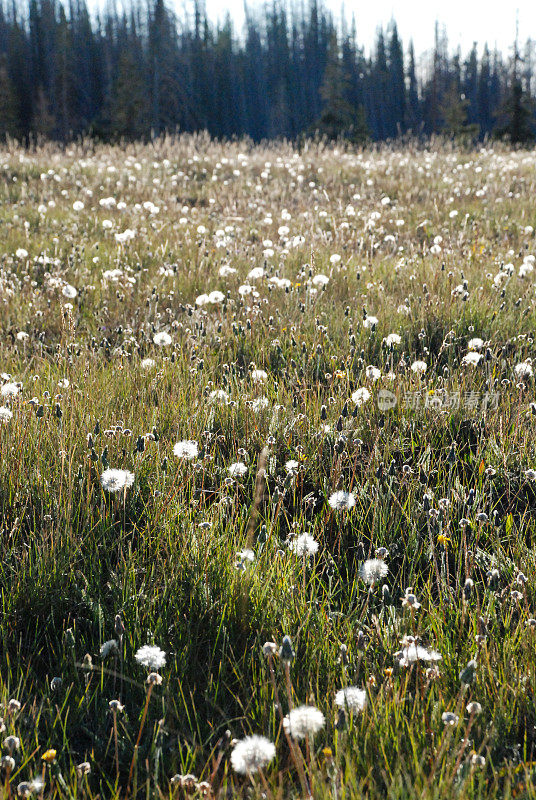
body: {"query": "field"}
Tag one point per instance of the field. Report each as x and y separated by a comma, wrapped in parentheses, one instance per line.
(267, 469)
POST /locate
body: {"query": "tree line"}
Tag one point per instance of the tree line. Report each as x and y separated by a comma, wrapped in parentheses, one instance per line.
(292, 72)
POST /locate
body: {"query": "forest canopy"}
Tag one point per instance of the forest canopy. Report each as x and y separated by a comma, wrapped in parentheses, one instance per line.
(292, 72)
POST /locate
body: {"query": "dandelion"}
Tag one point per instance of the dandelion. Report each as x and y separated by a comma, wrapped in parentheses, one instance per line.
(5, 415)
(474, 708)
(412, 652)
(216, 297)
(218, 397)
(472, 358)
(114, 480)
(186, 449)
(304, 545)
(304, 721)
(449, 718)
(162, 339)
(237, 470)
(410, 600)
(9, 390)
(523, 370)
(320, 280)
(292, 467)
(392, 340)
(252, 754)
(373, 570)
(69, 292)
(352, 698)
(259, 404)
(419, 367)
(259, 376)
(151, 656)
(148, 363)
(341, 501)
(360, 396)
(475, 344)
(11, 744)
(109, 648)
(373, 373)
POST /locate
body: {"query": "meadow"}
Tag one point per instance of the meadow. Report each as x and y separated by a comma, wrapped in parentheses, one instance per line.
(267, 475)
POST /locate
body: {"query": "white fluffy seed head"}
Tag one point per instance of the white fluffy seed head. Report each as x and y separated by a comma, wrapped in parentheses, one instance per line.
(304, 721)
(251, 754)
(373, 570)
(353, 698)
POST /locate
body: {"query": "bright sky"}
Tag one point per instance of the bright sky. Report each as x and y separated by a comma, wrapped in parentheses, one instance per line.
(465, 20)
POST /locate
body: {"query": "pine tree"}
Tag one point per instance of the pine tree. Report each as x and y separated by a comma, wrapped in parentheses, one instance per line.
(128, 112)
(517, 109)
(9, 117)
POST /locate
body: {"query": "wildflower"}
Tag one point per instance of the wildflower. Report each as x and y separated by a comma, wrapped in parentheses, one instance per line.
(9, 390)
(360, 396)
(475, 344)
(477, 760)
(352, 698)
(419, 367)
(286, 651)
(530, 474)
(304, 545)
(116, 706)
(109, 648)
(449, 718)
(259, 376)
(251, 754)
(237, 470)
(342, 501)
(5, 415)
(83, 769)
(410, 600)
(372, 570)
(292, 467)
(472, 358)
(392, 339)
(373, 373)
(11, 743)
(320, 280)
(114, 480)
(187, 450)
(304, 721)
(269, 649)
(523, 370)
(69, 291)
(413, 652)
(154, 679)
(162, 339)
(474, 708)
(218, 396)
(49, 756)
(243, 558)
(216, 297)
(148, 363)
(151, 656)
(370, 321)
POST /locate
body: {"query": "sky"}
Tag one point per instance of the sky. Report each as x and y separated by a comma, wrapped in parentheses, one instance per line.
(465, 21)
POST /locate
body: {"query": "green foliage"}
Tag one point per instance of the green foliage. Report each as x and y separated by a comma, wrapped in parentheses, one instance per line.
(263, 303)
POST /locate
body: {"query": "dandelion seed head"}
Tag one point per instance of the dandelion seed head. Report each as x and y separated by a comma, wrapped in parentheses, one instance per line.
(304, 721)
(151, 656)
(251, 754)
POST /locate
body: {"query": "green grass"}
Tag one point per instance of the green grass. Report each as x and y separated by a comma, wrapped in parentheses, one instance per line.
(164, 554)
